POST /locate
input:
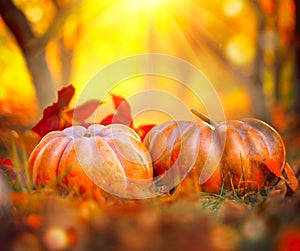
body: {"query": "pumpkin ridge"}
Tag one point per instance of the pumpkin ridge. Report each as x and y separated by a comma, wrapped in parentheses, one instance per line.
(230, 162)
(99, 140)
(62, 153)
(121, 156)
(40, 158)
(263, 138)
(267, 136)
(255, 142)
(261, 127)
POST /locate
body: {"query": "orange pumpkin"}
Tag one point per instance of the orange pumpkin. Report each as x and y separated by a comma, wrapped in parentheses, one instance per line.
(209, 155)
(84, 159)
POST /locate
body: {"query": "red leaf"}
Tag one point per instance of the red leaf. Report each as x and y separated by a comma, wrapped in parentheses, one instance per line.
(143, 130)
(292, 180)
(107, 120)
(65, 95)
(6, 165)
(49, 122)
(8, 162)
(122, 108)
(52, 119)
(274, 167)
(84, 111)
(114, 119)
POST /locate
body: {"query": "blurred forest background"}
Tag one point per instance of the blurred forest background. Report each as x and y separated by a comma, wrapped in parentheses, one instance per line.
(248, 49)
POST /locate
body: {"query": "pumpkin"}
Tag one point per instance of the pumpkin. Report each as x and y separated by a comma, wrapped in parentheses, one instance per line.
(209, 156)
(85, 159)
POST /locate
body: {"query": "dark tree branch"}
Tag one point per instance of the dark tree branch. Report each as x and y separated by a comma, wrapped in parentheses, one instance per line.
(34, 56)
(17, 22)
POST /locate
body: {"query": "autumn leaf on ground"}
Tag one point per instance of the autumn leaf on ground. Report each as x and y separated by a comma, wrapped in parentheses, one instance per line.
(274, 167)
(7, 167)
(5, 164)
(292, 180)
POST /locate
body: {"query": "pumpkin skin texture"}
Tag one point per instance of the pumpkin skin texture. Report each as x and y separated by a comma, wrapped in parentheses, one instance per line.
(229, 154)
(80, 157)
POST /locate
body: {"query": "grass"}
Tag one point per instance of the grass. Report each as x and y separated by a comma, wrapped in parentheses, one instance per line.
(19, 157)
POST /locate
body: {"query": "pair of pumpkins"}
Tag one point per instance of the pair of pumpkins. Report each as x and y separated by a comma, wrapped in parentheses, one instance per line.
(210, 156)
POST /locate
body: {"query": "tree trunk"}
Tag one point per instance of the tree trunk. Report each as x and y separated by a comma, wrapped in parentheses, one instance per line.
(41, 78)
(34, 55)
(66, 56)
(256, 86)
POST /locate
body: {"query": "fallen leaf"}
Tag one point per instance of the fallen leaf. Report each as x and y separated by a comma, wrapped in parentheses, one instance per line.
(8, 162)
(6, 165)
(279, 191)
(274, 167)
(292, 180)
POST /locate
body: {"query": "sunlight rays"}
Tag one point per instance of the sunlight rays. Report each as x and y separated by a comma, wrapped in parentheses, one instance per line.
(145, 4)
(200, 32)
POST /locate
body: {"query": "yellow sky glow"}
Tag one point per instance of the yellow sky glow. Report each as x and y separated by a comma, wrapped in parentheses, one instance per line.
(145, 4)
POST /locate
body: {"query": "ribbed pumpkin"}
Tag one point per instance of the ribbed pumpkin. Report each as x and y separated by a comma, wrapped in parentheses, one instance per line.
(78, 158)
(232, 154)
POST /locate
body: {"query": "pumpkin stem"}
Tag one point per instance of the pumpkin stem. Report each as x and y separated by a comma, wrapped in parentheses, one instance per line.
(87, 134)
(204, 118)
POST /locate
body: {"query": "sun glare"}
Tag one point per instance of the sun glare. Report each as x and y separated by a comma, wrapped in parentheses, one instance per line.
(146, 4)
(232, 7)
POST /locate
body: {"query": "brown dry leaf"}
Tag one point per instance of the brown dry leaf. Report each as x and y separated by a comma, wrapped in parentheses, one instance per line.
(292, 181)
(280, 191)
(274, 167)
